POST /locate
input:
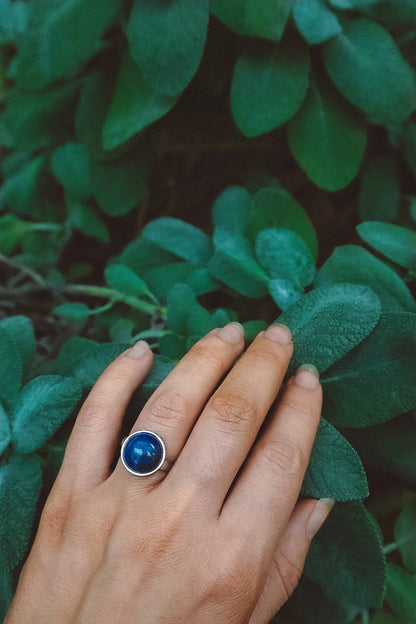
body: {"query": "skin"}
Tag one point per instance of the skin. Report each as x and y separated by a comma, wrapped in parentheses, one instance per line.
(217, 534)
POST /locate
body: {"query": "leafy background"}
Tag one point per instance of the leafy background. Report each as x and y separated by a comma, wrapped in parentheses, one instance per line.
(168, 167)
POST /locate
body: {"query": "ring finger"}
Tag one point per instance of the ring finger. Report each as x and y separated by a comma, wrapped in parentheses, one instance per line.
(173, 408)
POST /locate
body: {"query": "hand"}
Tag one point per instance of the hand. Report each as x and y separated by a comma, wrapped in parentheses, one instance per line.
(216, 535)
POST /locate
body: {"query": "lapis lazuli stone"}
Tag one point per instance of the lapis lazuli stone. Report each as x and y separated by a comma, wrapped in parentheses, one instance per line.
(143, 453)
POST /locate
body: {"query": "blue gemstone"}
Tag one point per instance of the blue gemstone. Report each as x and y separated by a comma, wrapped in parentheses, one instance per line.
(143, 453)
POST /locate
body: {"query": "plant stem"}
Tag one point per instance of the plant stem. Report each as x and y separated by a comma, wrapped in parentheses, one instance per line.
(38, 279)
(365, 617)
(151, 333)
(388, 548)
(115, 295)
(47, 227)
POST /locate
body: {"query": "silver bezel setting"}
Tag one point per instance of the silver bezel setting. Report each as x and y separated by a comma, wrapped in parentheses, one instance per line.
(141, 474)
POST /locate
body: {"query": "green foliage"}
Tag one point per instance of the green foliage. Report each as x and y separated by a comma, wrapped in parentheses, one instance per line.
(269, 84)
(382, 371)
(43, 405)
(167, 40)
(393, 241)
(111, 115)
(20, 483)
(327, 137)
(367, 67)
(340, 566)
(334, 467)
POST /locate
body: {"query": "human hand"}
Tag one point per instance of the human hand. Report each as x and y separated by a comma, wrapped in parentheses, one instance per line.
(215, 535)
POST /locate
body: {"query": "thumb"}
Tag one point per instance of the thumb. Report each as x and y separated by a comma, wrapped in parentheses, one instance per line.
(289, 557)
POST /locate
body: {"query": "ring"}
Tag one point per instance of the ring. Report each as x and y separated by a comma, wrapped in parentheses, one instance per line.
(143, 452)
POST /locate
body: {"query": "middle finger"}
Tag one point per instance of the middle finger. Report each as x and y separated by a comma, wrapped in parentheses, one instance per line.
(227, 427)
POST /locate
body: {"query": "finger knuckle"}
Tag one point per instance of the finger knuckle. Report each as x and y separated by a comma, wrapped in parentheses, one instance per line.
(289, 573)
(115, 374)
(93, 416)
(53, 518)
(297, 408)
(281, 457)
(169, 408)
(274, 356)
(232, 411)
(207, 353)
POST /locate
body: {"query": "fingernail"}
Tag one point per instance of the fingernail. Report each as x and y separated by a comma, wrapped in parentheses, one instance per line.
(318, 516)
(279, 333)
(307, 376)
(233, 332)
(139, 349)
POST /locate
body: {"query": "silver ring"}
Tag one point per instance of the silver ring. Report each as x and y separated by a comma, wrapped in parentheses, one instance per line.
(143, 452)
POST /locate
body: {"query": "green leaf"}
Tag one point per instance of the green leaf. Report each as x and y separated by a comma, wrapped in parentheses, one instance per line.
(401, 591)
(327, 137)
(12, 368)
(4, 430)
(35, 120)
(315, 21)
(353, 264)
(313, 607)
(335, 469)
(93, 104)
(70, 165)
(393, 14)
(119, 185)
(13, 17)
(330, 321)
(71, 350)
(21, 190)
(393, 241)
(122, 330)
(285, 292)
(277, 208)
(351, 4)
(180, 300)
(389, 447)
(346, 547)
(6, 591)
(12, 230)
(59, 36)
(201, 282)
(231, 209)
(258, 18)
(142, 254)
(88, 366)
(20, 330)
(252, 328)
(167, 40)
(284, 255)
(380, 191)
(161, 278)
(85, 219)
(383, 370)
(405, 536)
(180, 238)
(269, 84)
(73, 311)
(125, 280)
(409, 144)
(43, 405)
(233, 263)
(369, 70)
(161, 367)
(134, 105)
(20, 484)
